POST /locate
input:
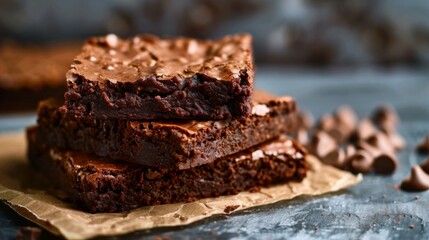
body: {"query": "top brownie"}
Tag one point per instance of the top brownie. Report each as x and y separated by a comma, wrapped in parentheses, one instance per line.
(149, 78)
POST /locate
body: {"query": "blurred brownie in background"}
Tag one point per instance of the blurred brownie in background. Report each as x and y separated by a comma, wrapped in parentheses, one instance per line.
(30, 73)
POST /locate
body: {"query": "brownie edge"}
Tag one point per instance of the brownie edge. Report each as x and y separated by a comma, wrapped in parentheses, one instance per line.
(149, 78)
(101, 185)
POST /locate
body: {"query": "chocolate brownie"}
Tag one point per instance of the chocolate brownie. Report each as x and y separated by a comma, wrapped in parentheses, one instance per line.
(149, 78)
(101, 185)
(176, 144)
(30, 73)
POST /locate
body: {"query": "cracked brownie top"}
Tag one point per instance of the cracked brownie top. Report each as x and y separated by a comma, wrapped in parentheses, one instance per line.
(113, 59)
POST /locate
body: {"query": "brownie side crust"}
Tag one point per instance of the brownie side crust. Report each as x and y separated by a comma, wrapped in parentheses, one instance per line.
(101, 185)
(180, 145)
(148, 78)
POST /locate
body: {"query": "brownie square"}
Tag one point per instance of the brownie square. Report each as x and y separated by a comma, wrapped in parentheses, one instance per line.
(179, 144)
(101, 185)
(30, 73)
(149, 78)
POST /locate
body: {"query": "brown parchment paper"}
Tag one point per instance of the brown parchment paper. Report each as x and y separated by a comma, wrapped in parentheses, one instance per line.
(26, 192)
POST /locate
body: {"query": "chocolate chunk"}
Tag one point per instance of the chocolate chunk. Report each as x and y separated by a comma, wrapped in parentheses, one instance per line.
(361, 162)
(336, 158)
(29, 233)
(418, 181)
(424, 145)
(305, 119)
(322, 144)
(364, 129)
(385, 164)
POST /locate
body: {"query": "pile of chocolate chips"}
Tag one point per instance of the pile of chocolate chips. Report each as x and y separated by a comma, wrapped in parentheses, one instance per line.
(342, 140)
(419, 177)
(370, 144)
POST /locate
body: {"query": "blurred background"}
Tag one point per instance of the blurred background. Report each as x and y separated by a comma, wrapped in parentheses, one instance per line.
(40, 38)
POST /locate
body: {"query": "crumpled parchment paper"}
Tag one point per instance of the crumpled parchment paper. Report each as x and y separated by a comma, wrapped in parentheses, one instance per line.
(27, 193)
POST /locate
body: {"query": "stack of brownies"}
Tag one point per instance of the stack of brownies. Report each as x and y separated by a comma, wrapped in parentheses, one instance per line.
(153, 121)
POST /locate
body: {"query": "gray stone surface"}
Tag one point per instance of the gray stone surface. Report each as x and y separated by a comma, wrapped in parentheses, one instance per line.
(372, 210)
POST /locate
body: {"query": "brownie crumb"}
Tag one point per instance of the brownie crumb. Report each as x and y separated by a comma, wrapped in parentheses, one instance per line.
(411, 226)
(29, 233)
(231, 208)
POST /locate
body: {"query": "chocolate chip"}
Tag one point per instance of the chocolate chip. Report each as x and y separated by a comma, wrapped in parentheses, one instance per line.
(418, 181)
(349, 150)
(346, 116)
(336, 158)
(340, 133)
(363, 145)
(424, 145)
(396, 140)
(387, 126)
(322, 144)
(364, 129)
(305, 119)
(385, 164)
(29, 233)
(384, 159)
(361, 162)
(385, 116)
(381, 141)
(302, 136)
(425, 165)
(326, 122)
